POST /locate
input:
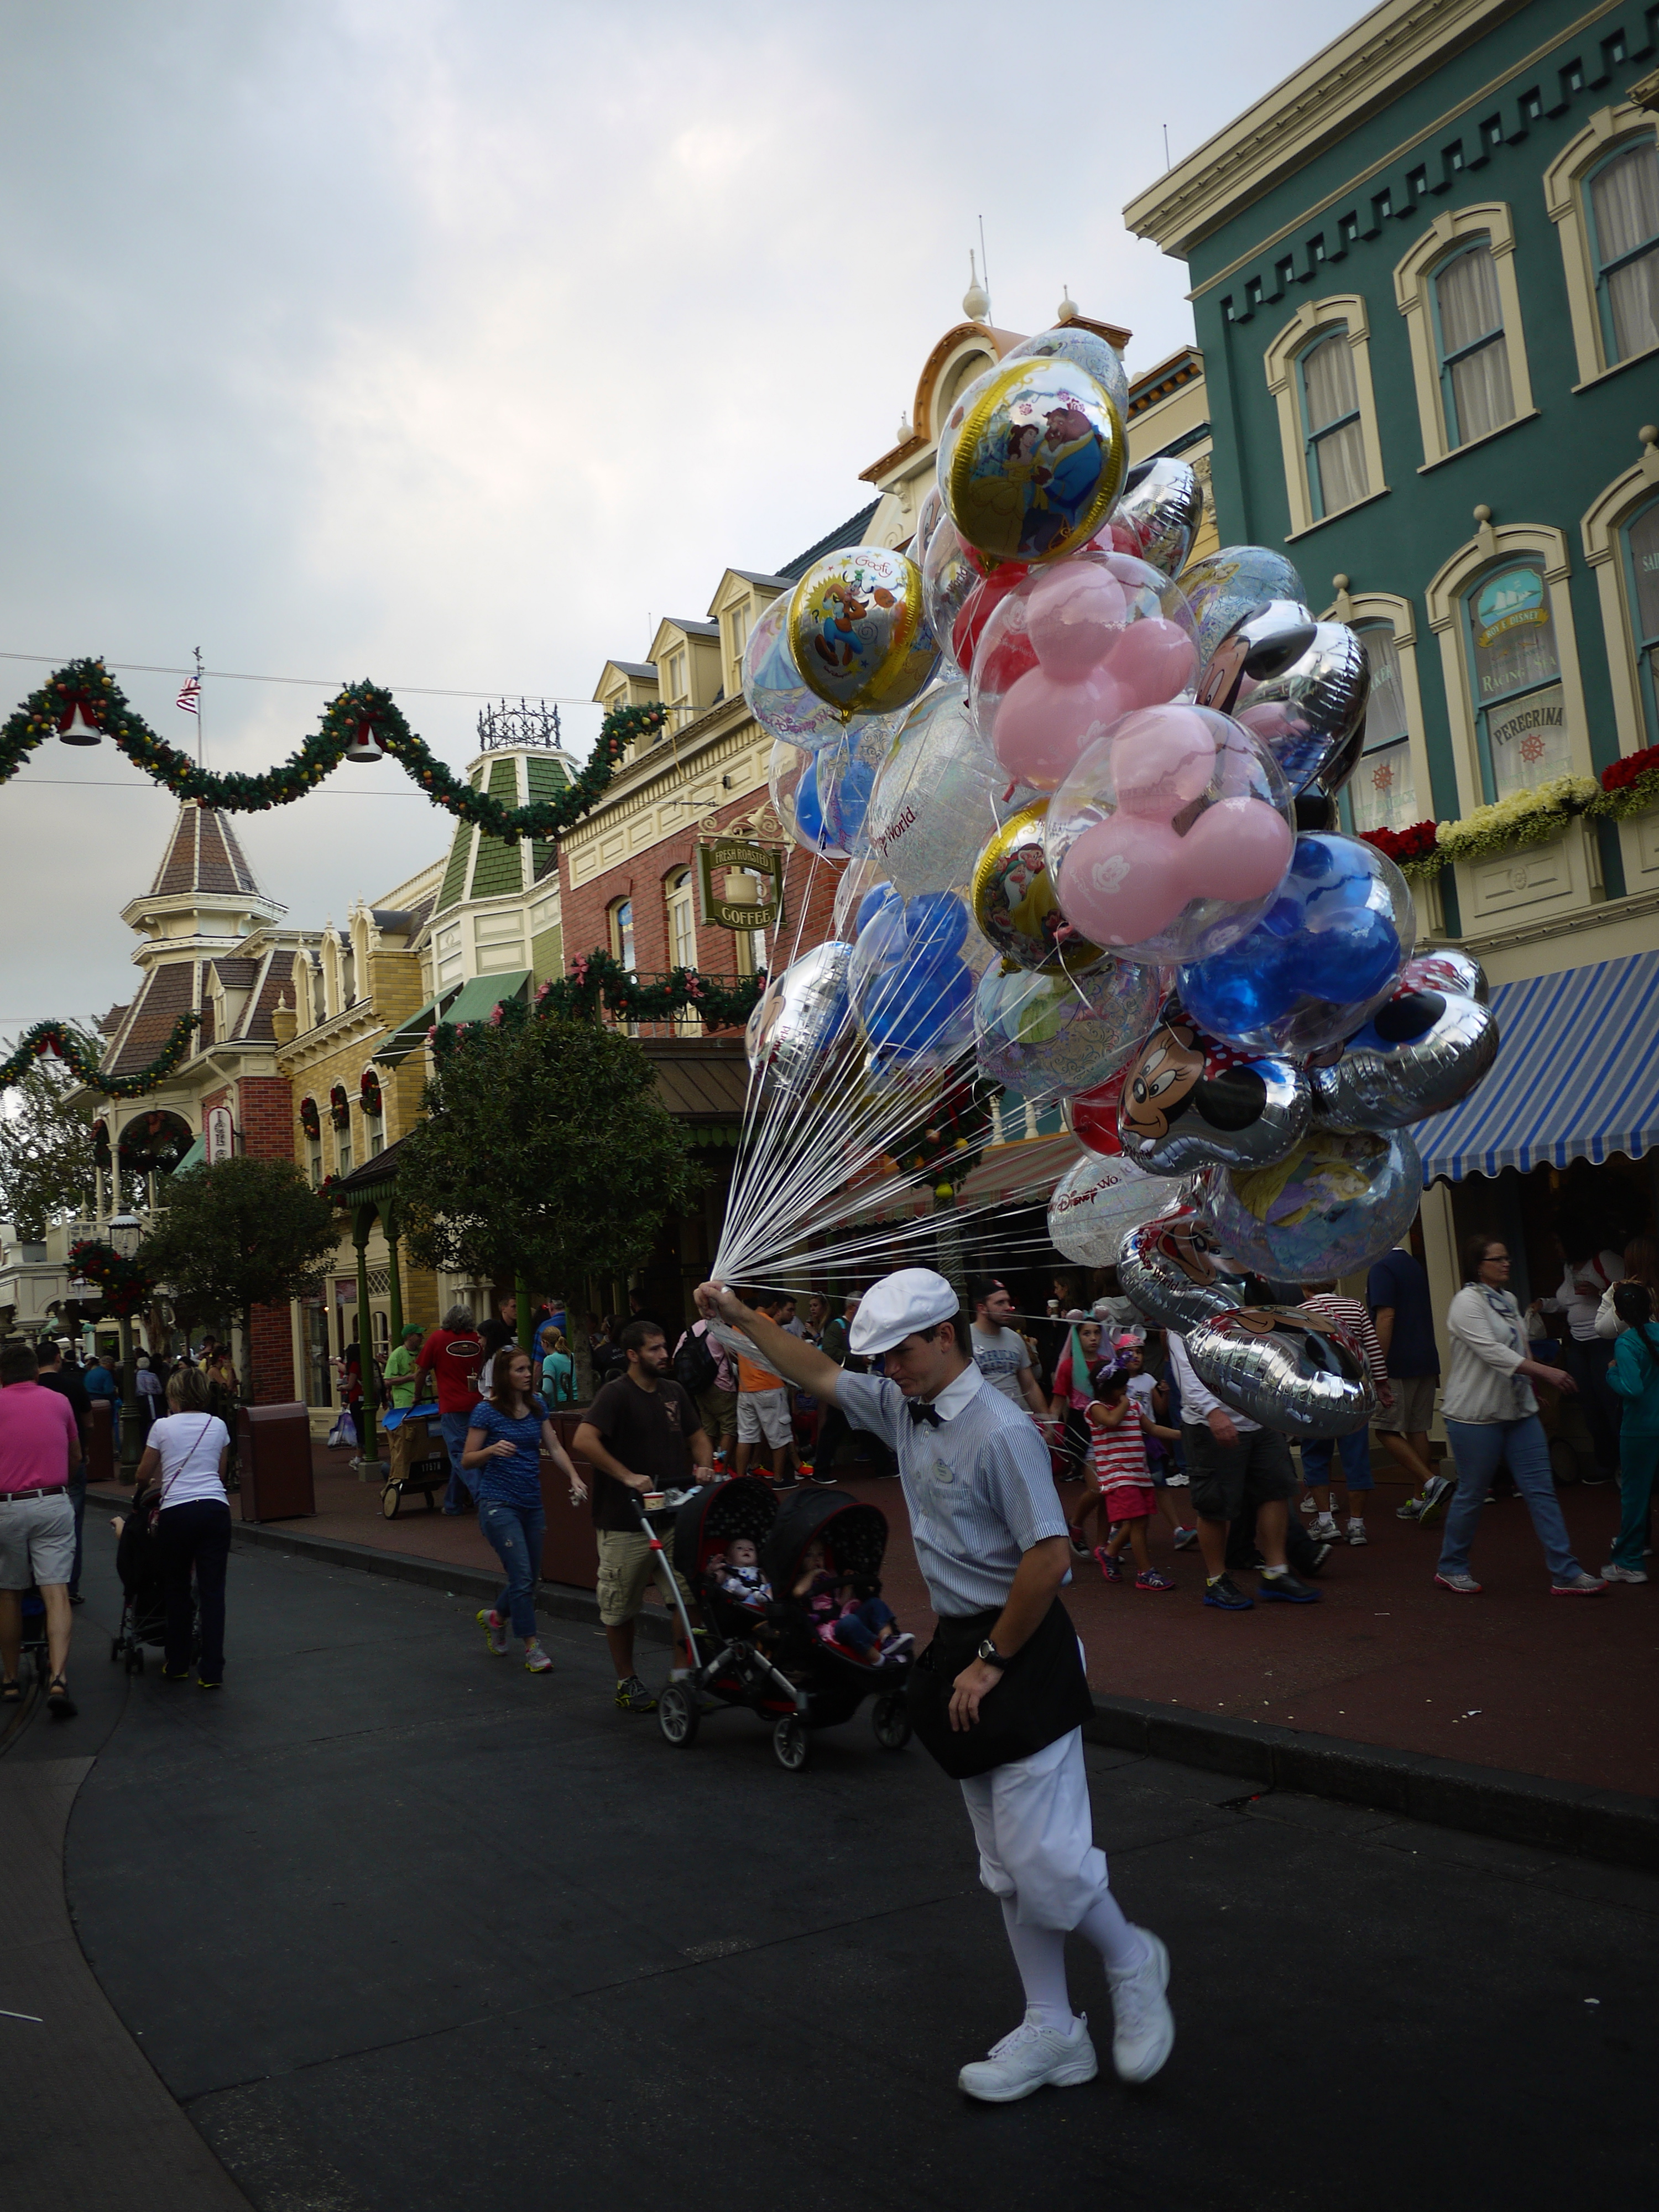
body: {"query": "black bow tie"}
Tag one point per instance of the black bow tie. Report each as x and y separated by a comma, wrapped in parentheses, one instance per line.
(918, 1412)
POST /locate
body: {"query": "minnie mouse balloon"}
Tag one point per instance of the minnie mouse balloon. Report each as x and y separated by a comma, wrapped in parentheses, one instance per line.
(1071, 648)
(1290, 1370)
(1168, 1267)
(1328, 951)
(1419, 1055)
(1188, 1102)
(1337, 1199)
(1170, 835)
(1094, 1202)
(858, 633)
(1031, 459)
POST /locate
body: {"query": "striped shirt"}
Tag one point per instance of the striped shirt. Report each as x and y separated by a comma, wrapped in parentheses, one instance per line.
(1119, 1455)
(978, 1486)
(1355, 1322)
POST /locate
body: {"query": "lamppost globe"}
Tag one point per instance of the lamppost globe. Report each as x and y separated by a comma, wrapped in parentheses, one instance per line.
(125, 1231)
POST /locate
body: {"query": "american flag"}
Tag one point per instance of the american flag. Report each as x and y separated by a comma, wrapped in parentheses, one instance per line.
(189, 693)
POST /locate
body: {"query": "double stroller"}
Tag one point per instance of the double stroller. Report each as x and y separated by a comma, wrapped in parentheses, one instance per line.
(776, 1665)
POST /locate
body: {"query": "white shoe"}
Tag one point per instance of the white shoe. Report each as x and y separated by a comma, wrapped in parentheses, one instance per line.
(1143, 2032)
(1308, 1503)
(1356, 1533)
(1027, 2058)
(1615, 1573)
(1325, 1530)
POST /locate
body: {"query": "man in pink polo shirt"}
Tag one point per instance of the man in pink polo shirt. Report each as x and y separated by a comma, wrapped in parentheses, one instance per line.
(40, 1451)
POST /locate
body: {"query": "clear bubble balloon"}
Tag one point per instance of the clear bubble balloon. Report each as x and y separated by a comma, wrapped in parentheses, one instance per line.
(938, 796)
(1328, 951)
(1046, 1035)
(1094, 1202)
(1311, 716)
(1158, 515)
(778, 698)
(1223, 587)
(1031, 459)
(915, 964)
(1337, 1199)
(1015, 903)
(1071, 649)
(1171, 835)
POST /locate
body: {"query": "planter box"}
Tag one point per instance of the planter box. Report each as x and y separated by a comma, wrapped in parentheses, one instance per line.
(1532, 883)
(1638, 843)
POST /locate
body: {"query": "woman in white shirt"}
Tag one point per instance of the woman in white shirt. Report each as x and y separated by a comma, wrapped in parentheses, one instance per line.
(1492, 1416)
(185, 1457)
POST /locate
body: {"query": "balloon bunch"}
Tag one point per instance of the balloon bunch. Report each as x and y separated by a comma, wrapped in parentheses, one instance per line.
(1083, 787)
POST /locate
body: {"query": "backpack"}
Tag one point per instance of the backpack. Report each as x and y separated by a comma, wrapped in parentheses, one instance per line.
(695, 1365)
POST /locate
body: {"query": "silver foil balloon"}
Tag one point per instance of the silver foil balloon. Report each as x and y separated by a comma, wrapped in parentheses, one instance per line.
(1163, 502)
(799, 1017)
(1418, 1054)
(1289, 1371)
(1068, 341)
(1262, 644)
(1339, 1199)
(1168, 1266)
(1457, 974)
(1188, 1102)
(1095, 1201)
(1311, 716)
(1226, 586)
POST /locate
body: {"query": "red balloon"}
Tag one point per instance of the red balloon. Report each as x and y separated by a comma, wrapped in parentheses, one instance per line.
(976, 613)
(1093, 1115)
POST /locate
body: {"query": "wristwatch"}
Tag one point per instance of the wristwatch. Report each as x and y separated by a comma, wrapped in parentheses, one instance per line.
(987, 1651)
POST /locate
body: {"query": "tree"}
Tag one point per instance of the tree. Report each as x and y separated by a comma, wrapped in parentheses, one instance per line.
(246, 1233)
(546, 1153)
(46, 1152)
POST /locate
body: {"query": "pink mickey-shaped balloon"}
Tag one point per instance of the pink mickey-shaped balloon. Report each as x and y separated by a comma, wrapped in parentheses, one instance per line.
(1240, 848)
(1151, 661)
(1075, 617)
(1042, 727)
(1124, 880)
(1162, 759)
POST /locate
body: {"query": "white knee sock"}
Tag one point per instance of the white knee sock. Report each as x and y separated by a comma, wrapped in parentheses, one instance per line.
(1039, 1954)
(1119, 1945)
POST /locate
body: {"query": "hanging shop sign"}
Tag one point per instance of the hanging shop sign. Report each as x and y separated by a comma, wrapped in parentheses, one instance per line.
(763, 862)
(220, 1135)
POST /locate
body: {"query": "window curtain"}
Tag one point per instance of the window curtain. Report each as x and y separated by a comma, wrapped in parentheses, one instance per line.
(1471, 311)
(1626, 200)
(1332, 398)
(1383, 792)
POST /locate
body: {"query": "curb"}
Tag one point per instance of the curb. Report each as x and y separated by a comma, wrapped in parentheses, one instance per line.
(1484, 1801)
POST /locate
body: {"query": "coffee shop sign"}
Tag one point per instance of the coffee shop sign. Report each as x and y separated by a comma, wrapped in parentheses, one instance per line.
(764, 864)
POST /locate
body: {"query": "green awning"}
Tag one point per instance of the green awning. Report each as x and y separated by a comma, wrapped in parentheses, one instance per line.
(461, 1002)
(195, 1157)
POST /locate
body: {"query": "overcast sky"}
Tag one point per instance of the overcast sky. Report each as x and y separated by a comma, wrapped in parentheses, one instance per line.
(453, 344)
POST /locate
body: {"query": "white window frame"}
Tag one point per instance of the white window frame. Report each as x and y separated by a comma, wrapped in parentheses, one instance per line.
(1379, 610)
(1603, 532)
(1565, 188)
(1454, 229)
(1282, 363)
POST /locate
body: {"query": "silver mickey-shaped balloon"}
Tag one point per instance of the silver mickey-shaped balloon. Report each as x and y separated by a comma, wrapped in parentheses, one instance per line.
(1265, 641)
(1167, 1267)
(1311, 716)
(1459, 975)
(1424, 1049)
(1288, 1369)
(1188, 1102)
(800, 1016)
(1163, 502)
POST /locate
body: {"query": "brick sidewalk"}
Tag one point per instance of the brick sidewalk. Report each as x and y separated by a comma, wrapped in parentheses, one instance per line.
(1514, 1679)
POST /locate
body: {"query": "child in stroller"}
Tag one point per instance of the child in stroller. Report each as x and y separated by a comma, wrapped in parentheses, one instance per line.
(851, 1616)
(764, 1653)
(143, 1593)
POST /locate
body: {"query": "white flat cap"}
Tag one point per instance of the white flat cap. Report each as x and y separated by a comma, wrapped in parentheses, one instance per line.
(913, 1298)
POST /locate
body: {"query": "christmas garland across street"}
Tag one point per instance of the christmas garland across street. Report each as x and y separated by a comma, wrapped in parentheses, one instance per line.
(80, 1056)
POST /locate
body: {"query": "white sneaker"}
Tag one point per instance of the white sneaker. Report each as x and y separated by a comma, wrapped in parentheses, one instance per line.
(1325, 1530)
(1356, 1533)
(1030, 2056)
(1612, 1572)
(1177, 1480)
(1143, 2032)
(1308, 1503)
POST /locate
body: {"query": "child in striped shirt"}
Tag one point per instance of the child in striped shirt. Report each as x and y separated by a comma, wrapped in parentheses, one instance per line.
(1128, 1498)
(1346, 1495)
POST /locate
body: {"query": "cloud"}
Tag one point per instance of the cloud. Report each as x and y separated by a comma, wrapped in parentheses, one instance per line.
(451, 344)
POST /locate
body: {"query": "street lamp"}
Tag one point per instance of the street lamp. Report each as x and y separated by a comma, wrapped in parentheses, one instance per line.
(125, 1230)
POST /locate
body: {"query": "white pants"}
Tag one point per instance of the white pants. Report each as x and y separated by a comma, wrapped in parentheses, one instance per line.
(1034, 1829)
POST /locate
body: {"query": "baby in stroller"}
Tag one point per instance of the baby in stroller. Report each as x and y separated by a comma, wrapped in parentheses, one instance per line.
(736, 1571)
(849, 1614)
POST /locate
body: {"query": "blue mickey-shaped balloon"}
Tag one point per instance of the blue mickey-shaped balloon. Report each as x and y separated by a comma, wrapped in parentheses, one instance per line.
(914, 991)
(1327, 952)
(809, 809)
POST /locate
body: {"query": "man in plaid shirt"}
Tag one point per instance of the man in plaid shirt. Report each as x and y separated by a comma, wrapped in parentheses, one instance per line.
(1355, 1322)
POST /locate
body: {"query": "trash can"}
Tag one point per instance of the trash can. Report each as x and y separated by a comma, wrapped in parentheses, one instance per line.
(273, 1455)
(100, 1444)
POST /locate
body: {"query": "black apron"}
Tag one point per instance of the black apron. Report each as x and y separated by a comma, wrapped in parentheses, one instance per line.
(1042, 1696)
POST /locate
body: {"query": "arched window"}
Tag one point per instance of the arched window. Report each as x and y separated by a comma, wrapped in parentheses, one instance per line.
(1382, 792)
(1514, 664)
(682, 922)
(621, 932)
(1334, 440)
(1641, 550)
(1476, 396)
(1623, 206)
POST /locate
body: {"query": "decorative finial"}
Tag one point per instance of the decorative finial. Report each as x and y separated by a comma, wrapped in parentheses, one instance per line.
(905, 432)
(975, 300)
(1066, 312)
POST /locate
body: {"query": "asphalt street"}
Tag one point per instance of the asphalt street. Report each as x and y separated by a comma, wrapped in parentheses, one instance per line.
(401, 1926)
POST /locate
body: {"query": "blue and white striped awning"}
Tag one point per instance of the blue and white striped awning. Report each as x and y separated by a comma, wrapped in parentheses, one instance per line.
(1577, 1075)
